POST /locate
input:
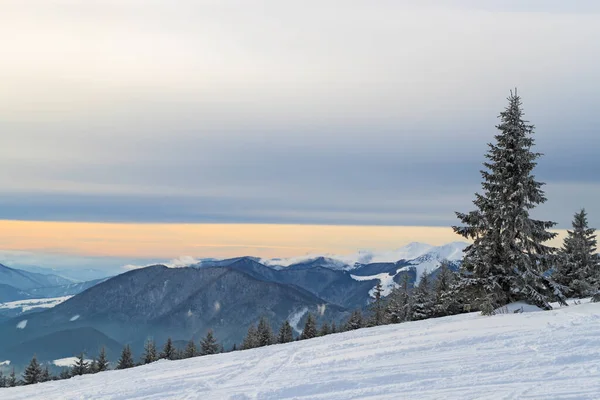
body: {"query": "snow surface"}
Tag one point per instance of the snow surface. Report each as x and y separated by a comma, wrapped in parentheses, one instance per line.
(31, 304)
(295, 319)
(387, 282)
(537, 355)
(7, 362)
(74, 318)
(67, 361)
(22, 324)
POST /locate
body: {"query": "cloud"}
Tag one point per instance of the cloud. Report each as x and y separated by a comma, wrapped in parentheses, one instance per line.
(137, 111)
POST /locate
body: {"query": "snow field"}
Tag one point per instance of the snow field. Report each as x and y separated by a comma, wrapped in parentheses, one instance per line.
(538, 355)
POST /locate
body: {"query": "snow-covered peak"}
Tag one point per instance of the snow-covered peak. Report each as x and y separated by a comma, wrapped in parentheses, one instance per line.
(412, 251)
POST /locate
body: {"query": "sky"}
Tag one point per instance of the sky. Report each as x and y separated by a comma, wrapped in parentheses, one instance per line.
(316, 113)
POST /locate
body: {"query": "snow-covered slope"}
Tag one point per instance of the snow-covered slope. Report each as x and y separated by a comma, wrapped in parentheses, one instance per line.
(22, 306)
(538, 355)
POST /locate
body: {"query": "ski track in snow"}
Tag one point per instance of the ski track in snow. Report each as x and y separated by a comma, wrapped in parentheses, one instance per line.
(538, 355)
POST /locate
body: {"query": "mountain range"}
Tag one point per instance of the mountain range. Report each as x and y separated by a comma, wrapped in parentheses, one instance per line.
(223, 295)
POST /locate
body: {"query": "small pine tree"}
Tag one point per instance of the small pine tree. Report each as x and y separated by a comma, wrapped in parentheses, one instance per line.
(150, 354)
(102, 361)
(578, 266)
(209, 344)
(251, 339)
(126, 360)
(397, 308)
(264, 332)
(45, 375)
(286, 334)
(423, 305)
(168, 351)
(355, 321)
(65, 373)
(33, 372)
(377, 308)
(2, 380)
(325, 329)
(12, 379)
(333, 327)
(191, 350)
(310, 327)
(234, 348)
(81, 367)
(445, 302)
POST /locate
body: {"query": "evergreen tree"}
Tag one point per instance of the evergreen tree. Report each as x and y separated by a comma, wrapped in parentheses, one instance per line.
(33, 372)
(325, 329)
(81, 366)
(265, 333)
(191, 350)
(234, 348)
(508, 258)
(168, 352)
(101, 361)
(398, 304)
(286, 333)
(579, 268)
(126, 360)
(445, 301)
(209, 345)
(45, 375)
(150, 354)
(12, 379)
(422, 301)
(355, 321)
(2, 380)
(333, 327)
(65, 373)
(251, 339)
(377, 307)
(310, 327)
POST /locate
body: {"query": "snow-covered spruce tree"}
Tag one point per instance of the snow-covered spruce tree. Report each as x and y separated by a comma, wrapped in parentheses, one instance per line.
(286, 334)
(2, 380)
(191, 350)
(333, 327)
(65, 373)
(251, 339)
(169, 352)
(33, 372)
(264, 332)
(422, 299)
(377, 308)
(80, 367)
(12, 379)
(102, 361)
(150, 354)
(445, 303)
(45, 375)
(508, 258)
(208, 344)
(398, 304)
(310, 328)
(578, 267)
(355, 321)
(325, 329)
(126, 360)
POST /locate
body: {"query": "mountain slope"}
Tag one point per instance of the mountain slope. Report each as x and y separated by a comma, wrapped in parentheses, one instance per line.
(540, 355)
(28, 280)
(179, 302)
